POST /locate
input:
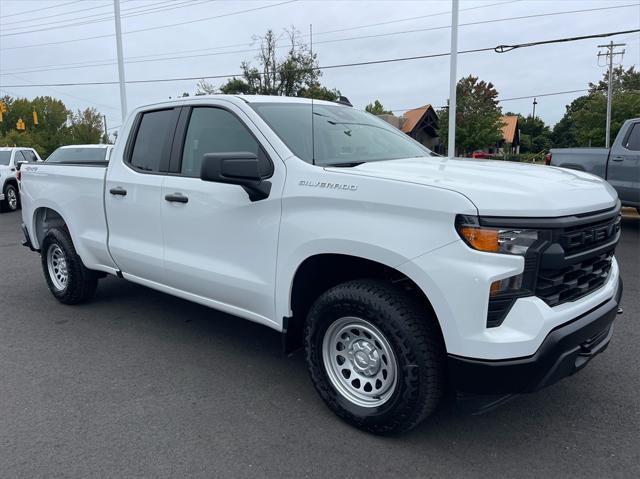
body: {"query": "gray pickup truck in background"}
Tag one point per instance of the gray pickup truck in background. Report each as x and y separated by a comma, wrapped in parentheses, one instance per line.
(620, 165)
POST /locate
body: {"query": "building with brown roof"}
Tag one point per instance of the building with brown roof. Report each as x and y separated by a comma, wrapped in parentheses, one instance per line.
(510, 142)
(421, 124)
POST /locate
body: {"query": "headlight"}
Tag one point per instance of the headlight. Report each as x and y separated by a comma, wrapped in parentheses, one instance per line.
(495, 240)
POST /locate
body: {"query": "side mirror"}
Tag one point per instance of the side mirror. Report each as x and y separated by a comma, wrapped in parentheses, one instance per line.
(20, 163)
(241, 169)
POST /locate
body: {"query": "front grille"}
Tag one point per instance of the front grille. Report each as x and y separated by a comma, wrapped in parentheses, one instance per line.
(587, 236)
(555, 287)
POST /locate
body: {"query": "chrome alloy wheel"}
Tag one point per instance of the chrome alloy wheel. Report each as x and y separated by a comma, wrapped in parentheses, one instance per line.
(12, 199)
(57, 265)
(359, 362)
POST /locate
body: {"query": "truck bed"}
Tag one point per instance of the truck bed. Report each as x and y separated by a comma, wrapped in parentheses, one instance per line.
(75, 191)
(591, 160)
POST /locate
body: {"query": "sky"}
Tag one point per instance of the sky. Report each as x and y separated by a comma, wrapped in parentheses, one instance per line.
(45, 42)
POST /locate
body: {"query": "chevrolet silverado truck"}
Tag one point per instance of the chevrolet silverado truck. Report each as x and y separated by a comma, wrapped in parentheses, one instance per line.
(10, 161)
(620, 165)
(402, 274)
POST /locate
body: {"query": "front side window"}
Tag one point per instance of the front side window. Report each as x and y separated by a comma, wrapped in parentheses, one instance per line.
(214, 130)
(335, 135)
(5, 158)
(633, 141)
(153, 140)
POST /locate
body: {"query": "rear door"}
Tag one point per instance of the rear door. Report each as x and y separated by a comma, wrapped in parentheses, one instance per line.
(133, 195)
(219, 245)
(623, 170)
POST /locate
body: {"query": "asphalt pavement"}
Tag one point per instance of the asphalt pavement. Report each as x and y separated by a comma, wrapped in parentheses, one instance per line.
(141, 384)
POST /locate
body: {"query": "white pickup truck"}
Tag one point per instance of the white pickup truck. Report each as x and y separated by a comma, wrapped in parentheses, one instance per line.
(401, 273)
(10, 160)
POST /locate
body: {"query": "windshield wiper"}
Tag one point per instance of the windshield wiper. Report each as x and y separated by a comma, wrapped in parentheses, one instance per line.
(346, 164)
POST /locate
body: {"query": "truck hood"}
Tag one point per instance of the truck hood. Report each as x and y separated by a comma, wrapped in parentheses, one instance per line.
(500, 188)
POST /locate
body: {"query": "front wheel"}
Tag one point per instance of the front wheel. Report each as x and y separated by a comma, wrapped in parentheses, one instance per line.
(375, 355)
(11, 198)
(67, 277)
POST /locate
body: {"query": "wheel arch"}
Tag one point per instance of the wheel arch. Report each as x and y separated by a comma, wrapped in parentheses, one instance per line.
(44, 219)
(320, 272)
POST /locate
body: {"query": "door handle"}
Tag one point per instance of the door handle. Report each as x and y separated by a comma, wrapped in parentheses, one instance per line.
(618, 158)
(119, 191)
(176, 198)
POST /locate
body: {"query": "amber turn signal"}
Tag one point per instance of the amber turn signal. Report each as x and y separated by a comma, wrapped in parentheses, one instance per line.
(480, 238)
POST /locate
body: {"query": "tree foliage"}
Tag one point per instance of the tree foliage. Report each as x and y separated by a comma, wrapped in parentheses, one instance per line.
(535, 135)
(622, 81)
(478, 122)
(56, 126)
(376, 108)
(295, 74)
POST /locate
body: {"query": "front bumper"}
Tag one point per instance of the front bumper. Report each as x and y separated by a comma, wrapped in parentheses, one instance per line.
(565, 350)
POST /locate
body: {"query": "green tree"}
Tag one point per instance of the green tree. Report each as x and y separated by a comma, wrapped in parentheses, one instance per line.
(478, 122)
(50, 132)
(584, 122)
(86, 127)
(376, 108)
(295, 74)
(622, 81)
(535, 135)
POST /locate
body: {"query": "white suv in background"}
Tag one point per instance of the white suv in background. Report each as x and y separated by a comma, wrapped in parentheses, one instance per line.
(9, 159)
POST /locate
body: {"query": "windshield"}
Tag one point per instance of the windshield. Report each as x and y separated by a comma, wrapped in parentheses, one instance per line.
(342, 135)
(77, 155)
(5, 158)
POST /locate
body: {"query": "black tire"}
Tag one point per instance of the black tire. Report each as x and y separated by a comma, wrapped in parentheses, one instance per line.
(5, 205)
(81, 283)
(415, 340)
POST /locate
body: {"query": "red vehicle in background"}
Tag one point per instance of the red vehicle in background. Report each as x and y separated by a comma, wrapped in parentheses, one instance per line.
(481, 155)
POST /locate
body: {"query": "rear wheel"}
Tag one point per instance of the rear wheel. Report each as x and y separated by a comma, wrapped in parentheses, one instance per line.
(11, 198)
(67, 277)
(375, 356)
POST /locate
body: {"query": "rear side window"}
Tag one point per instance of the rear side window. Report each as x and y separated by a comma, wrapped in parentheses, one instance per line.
(633, 140)
(76, 155)
(152, 145)
(214, 130)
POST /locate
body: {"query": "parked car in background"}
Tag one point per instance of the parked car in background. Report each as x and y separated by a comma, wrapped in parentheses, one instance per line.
(401, 273)
(483, 155)
(619, 165)
(81, 154)
(10, 160)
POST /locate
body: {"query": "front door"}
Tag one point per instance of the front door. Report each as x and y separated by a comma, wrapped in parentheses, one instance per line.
(218, 244)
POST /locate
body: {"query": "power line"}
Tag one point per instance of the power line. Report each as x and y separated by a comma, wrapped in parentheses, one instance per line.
(344, 65)
(180, 57)
(173, 5)
(83, 10)
(40, 9)
(238, 12)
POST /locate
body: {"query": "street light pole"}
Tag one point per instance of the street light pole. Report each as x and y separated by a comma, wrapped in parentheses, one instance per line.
(453, 75)
(123, 91)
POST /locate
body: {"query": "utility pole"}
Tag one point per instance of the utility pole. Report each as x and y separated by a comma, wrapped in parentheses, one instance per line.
(608, 55)
(535, 102)
(453, 75)
(123, 91)
(104, 122)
